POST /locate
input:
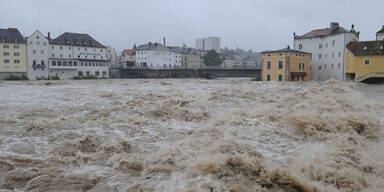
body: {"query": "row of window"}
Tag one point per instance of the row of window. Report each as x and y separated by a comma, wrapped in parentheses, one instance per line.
(69, 48)
(14, 54)
(78, 56)
(88, 73)
(320, 45)
(75, 64)
(37, 43)
(7, 61)
(7, 46)
(325, 66)
(279, 77)
(269, 65)
(326, 55)
(144, 64)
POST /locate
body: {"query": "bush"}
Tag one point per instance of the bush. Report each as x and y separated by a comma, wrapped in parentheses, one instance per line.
(16, 78)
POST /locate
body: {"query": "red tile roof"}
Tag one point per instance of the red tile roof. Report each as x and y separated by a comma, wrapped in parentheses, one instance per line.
(323, 32)
(128, 52)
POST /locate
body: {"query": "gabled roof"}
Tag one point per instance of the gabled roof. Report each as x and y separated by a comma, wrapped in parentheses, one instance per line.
(76, 39)
(154, 46)
(285, 50)
(365, 48)
(324, 32)
(128, 52)
(11, 35)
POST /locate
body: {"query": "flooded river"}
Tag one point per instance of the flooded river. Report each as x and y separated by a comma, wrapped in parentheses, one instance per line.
(191, 135)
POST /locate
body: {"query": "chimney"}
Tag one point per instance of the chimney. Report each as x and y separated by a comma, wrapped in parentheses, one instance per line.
(164, 41)
(334, 25)
(353, 26)
(49, 36)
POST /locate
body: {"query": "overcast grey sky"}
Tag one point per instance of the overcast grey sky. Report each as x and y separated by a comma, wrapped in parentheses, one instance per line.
(248, 24)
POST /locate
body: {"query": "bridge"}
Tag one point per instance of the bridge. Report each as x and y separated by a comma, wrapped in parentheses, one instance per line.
(184, 72)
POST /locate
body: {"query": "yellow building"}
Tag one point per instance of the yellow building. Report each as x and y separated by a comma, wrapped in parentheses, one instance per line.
(364, 61)
(190, 60)
(286, 65)
(13, 53)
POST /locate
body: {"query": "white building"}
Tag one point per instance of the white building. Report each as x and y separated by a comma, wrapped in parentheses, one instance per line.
(75, 54)
(208, 43)
(380, 35)
(37, 56)
(155, 55)
(328, 50)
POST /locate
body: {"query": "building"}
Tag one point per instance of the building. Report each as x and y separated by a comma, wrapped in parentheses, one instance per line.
(128, 57)
(286, 65)
(156, 56)
(190, 58)
(75, 54)
(13, 53)
(328, 50)
(365, 61)
(37, 56)
(380, 34)
(112, 56)
(208, 43)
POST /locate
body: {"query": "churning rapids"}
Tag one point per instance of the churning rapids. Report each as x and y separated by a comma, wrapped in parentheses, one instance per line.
(191, 135)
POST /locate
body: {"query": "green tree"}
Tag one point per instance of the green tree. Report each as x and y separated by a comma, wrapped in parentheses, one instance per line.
(212, 58)
(130, 63)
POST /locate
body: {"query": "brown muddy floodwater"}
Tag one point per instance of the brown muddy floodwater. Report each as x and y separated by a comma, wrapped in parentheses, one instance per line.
(191, 135)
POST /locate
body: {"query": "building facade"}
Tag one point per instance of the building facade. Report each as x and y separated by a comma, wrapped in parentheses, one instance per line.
(286, 65)
(208, 43)
(128, 57)
(38, 53)
(112, 56)
(75, 54)
(328, 50)
(365, 61)
(190, 58)
(13, 53)
(157, 56)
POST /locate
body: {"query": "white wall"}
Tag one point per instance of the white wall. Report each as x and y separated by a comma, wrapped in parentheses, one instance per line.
(37, 52)
(158, 59)
(332, 62)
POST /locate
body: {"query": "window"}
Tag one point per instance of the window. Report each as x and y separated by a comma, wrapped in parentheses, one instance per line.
(61, 55)
(332, 65)
(30, 42)
(69, 56)
(97, 73)
(16, 54)
(16, 61)
(37, 37)
(61, 47)
(34, 51)
(280, 77)
(301, 66)
(333, 43)
(339, 65)
(367, 62)
(42, 63)
(44, 43)
(320, 56)
(325, 66)
(6, 60)
(5, 46)
(280, 64)
(326, 45)
(69, 63)
(333, 55)
(6, 53)
(339, 54)
(33, 63)
(16, 47)
(80, 73)
(300, 46)
(87, 73)
(53, 63)
(64, 63)
(75, 63)
(268, 65)
(53, 55)
(58, 63)
(319, 67)
(53, 47)
(268, 77)
(42, 51)
(326, 56)
(320, 46)
(69, 48)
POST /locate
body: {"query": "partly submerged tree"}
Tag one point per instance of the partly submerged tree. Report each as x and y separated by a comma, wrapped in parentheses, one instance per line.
(212, 58)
